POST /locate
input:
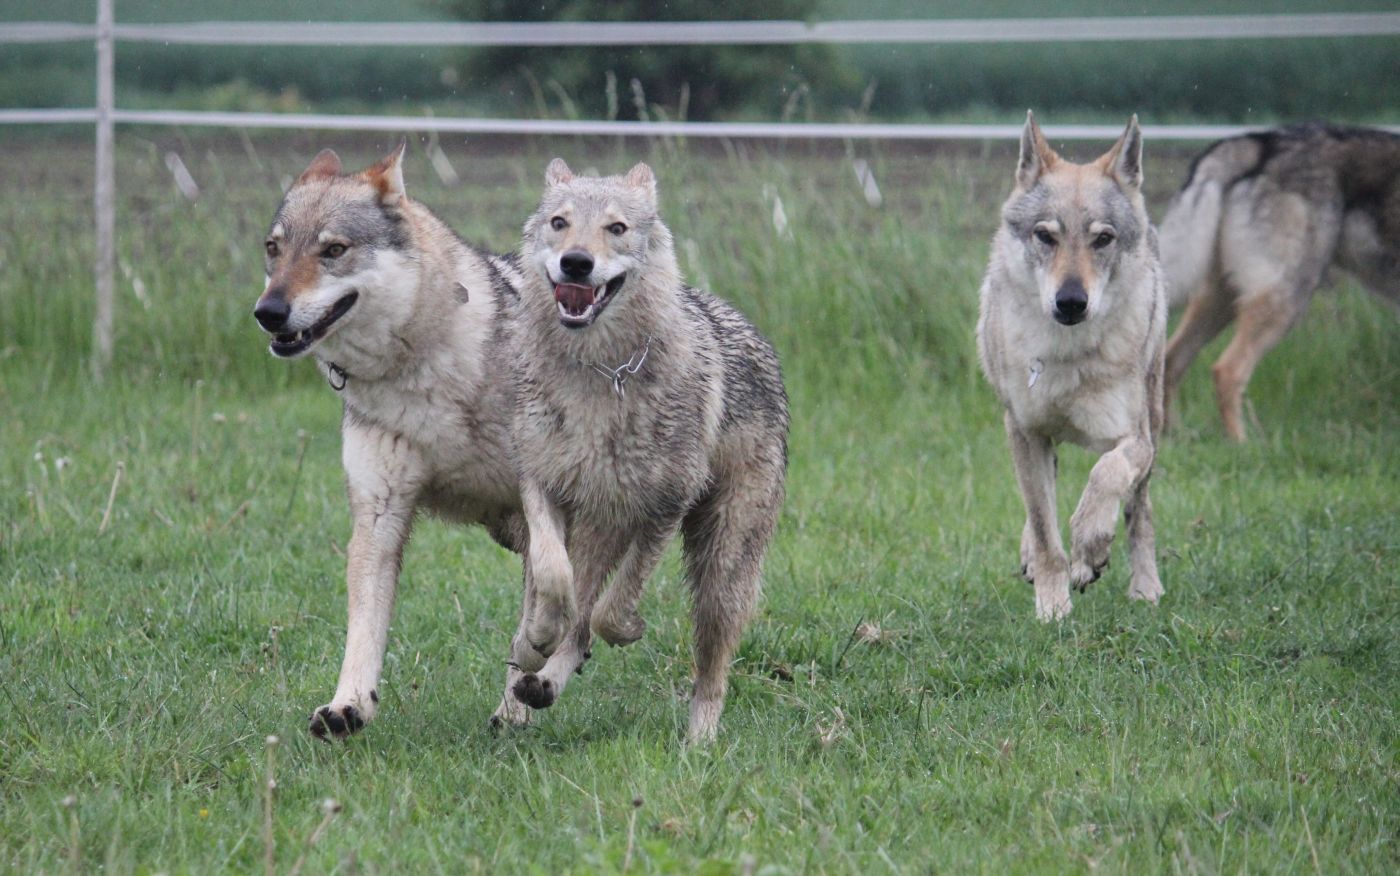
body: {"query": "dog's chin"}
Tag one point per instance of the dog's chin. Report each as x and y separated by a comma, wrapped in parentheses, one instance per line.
(580, 306)
(294, 344)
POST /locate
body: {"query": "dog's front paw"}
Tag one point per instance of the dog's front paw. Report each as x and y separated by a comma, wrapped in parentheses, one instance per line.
(1088, 559)
(534, 691)
(1147, 587)
(616, 625)
(338, 721)
(550, 621)
(1052, 604)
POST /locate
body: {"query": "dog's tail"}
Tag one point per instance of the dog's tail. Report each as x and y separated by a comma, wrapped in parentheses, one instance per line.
(1189, 234)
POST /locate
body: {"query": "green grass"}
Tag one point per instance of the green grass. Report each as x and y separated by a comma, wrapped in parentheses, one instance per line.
(1247, 724)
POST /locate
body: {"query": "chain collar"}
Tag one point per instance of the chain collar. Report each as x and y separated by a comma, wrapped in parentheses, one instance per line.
(1036, 367)
(623, 372)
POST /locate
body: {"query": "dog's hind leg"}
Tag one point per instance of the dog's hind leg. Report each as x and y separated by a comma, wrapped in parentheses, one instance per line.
(1207, 314)
(1143, 582)
(615, 617)
(1033, 457)
(596, 550)
(725, 537)
(1262, 322)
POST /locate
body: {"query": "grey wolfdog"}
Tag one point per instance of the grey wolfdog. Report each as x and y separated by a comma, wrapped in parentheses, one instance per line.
(644, 407)
(1250, 236)
(406, 321)
(1073, 323)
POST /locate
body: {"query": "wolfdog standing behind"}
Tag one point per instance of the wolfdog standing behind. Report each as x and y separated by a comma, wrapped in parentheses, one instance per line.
(1071, 334)
(1252, 232)
(644, 407)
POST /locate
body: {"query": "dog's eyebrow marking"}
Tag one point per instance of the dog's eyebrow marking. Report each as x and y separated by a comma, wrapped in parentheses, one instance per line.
(278, 231)
(329, 237)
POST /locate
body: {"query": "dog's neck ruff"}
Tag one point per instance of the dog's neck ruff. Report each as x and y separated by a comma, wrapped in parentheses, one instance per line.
(626, 370)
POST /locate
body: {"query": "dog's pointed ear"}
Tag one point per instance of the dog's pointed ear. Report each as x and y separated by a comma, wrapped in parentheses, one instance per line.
(386, 175)
(326, 163)
(641, 177)
(1036, 154)
(557, 173)
(1124, 161)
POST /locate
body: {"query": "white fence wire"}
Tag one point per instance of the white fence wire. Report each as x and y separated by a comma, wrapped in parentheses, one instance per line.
(106, 32)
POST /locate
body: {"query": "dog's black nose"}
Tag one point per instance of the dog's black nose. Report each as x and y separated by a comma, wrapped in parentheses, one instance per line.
(272, 312)
(576, 264)
(1071, 302)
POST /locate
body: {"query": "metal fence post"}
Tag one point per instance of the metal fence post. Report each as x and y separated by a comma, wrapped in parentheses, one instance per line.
(104, 195)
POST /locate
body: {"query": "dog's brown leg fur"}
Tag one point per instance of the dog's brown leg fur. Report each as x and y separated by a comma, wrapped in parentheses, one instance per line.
(1262, 322)
(1207, 315)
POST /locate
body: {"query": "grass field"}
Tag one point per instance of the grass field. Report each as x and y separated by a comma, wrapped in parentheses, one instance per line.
(1249, 723)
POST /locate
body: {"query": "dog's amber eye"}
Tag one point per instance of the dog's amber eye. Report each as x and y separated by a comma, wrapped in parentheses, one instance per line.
(272, 250)
(617, 228)
(558, 223)
(334, 251)
(1044, 237)
(1103, 240)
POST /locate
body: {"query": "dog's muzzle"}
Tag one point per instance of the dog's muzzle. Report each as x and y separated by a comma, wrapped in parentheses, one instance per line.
(285, 345)
(580, 305)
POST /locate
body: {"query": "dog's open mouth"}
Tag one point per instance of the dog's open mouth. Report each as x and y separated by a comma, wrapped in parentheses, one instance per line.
(296, 343)
(580, 305)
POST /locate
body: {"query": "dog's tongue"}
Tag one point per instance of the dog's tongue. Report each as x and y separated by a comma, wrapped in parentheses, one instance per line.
(575, 298)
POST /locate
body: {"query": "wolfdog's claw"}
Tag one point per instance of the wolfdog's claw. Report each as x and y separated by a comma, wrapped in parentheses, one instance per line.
(535, 692)
(338, 722)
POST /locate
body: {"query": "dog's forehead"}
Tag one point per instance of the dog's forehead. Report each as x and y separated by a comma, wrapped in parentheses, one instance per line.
(336, 206)
(588, 197)
(1076, 197)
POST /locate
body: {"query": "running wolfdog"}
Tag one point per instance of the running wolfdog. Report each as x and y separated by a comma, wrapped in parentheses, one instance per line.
(1071, 333)
(1252, 232)
(644, 407)
(405, 321)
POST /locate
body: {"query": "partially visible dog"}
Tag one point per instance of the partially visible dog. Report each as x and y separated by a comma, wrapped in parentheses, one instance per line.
(1250, 236)
(644, 407)
(1073, 322)
(413, 328)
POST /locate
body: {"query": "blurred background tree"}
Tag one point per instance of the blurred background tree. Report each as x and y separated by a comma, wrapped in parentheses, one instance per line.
(697, 82)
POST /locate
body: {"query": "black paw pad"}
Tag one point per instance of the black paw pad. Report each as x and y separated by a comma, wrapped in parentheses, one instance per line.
(327, 722)
(535, 692)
